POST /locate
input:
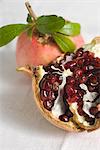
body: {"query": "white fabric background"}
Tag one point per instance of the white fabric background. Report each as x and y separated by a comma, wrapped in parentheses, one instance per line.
(21, 125)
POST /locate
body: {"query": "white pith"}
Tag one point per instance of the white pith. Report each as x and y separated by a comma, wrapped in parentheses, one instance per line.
(59, 108)
(88, 98)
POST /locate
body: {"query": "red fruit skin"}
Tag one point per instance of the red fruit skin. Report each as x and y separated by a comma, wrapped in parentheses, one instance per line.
(32, 52)
(78, 40)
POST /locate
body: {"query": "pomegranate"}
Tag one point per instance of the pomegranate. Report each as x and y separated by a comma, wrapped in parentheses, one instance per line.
(67, 90)
(33, 52)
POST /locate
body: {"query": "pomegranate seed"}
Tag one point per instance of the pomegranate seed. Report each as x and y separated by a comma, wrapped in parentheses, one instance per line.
(97, 115)
(85, 54)
(81, 93)
(70, 90)
(51, 95)
(59, 79)
(81, 61)
(83, 79)
(48, 104)
(55, 86)
(44, 95)
(93, 110)
(79, 52)
(64, 118)
(89, 119)
(78, 73)
(53, 79)
(70, 65)
(97, 65)
(70, 80)
(85, 68)
(73, 99)
(93, 79)
(87, 62)
(91, 88)
(47, 86)
(80, 111)
(97, 60)
(91, 55)
(49, 69)
(80, 103)
(89, 74)
(69, 114)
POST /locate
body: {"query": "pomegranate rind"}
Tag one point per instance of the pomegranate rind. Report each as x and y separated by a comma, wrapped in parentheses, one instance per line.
(26, 70)
(96, 40)
(88, 128)
(68, 126)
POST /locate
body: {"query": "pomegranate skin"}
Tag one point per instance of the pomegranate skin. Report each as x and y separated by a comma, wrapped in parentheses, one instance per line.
(32, 52)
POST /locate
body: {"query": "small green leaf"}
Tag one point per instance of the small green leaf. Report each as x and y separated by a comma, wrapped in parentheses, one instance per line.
(49, 24)
(29, 19)
(70, 28)
(9, 32)
(64, 42)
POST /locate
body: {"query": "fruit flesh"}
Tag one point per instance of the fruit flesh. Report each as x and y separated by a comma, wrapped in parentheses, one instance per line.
(31, 52)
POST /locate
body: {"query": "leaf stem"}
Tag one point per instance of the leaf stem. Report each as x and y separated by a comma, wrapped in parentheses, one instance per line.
(30, 10)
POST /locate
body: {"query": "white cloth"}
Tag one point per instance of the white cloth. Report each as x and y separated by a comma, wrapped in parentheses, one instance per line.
(22, 127)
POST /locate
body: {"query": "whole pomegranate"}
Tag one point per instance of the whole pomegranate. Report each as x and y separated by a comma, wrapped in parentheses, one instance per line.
(33, 52)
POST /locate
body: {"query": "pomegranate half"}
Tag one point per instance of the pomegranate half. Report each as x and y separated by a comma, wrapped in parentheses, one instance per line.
(67, 90)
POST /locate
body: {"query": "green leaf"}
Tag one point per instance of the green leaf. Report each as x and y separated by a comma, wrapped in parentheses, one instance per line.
(29, 19)
(9, 32)
(49, 24)
(70, 28)
(64, 42)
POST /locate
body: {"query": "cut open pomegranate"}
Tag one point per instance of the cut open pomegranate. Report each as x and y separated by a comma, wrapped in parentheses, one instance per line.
(69, 90)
